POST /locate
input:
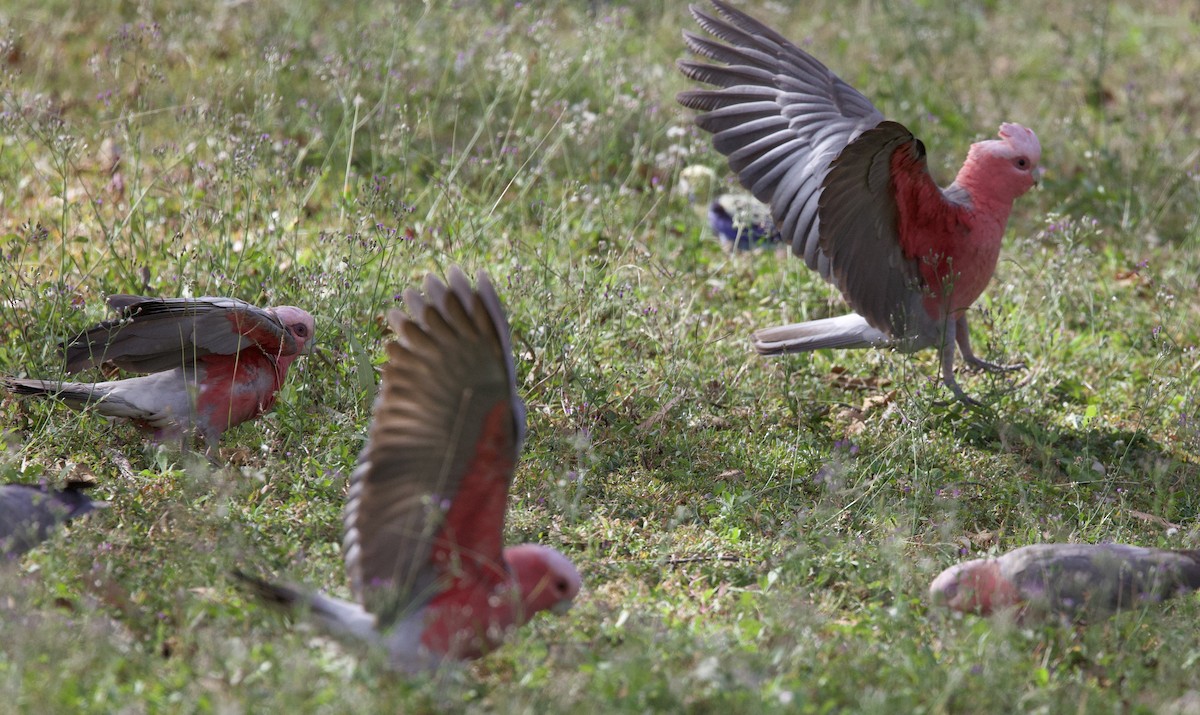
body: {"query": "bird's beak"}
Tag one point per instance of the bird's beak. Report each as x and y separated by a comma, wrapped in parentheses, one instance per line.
(562, 607)
(1038, 173)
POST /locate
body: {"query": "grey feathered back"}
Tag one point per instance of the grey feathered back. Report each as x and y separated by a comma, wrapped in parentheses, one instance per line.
(155, 334)
(1099, 579)
(28, 513)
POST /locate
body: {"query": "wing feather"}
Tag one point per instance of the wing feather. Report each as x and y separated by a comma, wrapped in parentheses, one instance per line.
(156, 334)
(860, 227)
(426, 501)
(780, 116)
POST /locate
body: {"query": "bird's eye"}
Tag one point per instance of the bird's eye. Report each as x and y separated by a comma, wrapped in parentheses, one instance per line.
(561, 585)
(1021, 162)
(301, 330)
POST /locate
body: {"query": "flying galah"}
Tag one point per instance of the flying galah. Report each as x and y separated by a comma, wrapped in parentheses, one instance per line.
(210, 363)
(853, 194)
(29, 512)
(1074, 581)
(425, 513)
(738, 220)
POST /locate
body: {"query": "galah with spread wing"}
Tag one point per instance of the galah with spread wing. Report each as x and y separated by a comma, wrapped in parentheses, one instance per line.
(853, 194)
(209, 363)
(1073, 581)
(424, 520)
(29, 512)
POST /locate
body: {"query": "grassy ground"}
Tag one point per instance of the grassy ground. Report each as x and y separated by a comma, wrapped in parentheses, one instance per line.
(755, 535)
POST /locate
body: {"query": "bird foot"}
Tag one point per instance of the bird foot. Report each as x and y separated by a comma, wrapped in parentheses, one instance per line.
(959, 395)
(978, 364)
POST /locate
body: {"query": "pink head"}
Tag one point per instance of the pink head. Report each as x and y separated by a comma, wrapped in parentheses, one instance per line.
(546, 579)
(974, 587)
(299, 324)
(1007, 166)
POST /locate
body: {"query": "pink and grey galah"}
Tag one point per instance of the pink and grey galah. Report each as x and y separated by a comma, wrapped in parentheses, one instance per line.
(209, 364)
(1077, 582)
(853, 194)
(424, 520)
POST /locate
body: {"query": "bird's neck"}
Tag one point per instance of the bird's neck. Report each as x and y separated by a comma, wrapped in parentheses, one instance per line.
(980, 178)
(984, 198)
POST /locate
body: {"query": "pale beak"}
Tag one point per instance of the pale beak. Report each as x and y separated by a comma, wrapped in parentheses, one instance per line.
(562, 607)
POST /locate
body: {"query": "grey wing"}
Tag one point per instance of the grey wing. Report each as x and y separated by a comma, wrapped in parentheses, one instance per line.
(155, 334)
(859, 231)
(1100, 579)
(450, 367)
(780, 117)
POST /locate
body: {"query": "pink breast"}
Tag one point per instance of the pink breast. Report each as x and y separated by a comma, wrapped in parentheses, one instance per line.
(236, 388)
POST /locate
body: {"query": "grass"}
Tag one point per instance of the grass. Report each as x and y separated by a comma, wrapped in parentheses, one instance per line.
(753, 536)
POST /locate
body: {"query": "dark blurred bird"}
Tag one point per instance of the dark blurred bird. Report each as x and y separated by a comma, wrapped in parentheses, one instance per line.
(853, 195)
(1074, 581)
(28, 513)
(211, 363)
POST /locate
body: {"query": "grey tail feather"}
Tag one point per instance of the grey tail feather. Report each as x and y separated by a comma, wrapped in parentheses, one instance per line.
(69, 391)
(74, 495)
(278, 595)
(847, 331)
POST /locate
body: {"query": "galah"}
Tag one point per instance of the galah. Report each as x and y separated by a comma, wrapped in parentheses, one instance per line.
(1072, 581)
(29, 512)
(209, 363)
(424, 519)
(853, 194)
(738, 220)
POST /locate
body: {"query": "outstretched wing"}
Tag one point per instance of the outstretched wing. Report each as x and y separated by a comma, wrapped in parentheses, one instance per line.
(155, 334)
(878, 184)
(780, 117)
(427, 500)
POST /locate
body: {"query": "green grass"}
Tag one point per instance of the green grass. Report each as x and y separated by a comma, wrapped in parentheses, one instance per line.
(748, 542)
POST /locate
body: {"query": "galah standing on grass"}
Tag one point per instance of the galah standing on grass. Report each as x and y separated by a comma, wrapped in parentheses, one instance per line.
(29, 512)
(853, 194)
(210, 363)
(1074, 581)
(425, 514)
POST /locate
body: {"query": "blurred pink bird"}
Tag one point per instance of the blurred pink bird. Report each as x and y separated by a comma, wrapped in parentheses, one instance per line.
(210, 363)
(425, 514)
(853, 194)
(1074, 581)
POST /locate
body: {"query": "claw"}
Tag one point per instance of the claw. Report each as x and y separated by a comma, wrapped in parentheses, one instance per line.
(959, 394)
(980, 364)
